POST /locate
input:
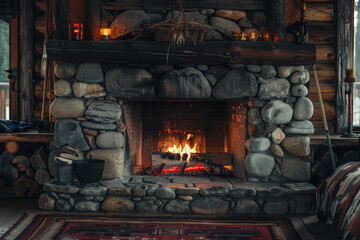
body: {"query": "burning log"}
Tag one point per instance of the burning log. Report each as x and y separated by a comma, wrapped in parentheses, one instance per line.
(201, 164)
(168, 158)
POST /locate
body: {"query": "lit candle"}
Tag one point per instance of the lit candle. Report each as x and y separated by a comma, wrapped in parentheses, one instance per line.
(258, 36)
(76, 31)
(267, 37)
(350, 73)
(243, 36)
(253, 36)
(105, 34)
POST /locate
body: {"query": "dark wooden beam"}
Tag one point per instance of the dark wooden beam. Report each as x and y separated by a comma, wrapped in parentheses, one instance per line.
(276, 18)
(94, 20)
(343, 41)
(336, 141)
(26, 48)
(14, 63)
(218, 52)
(188, 4)
(61, 13)
(30, 136)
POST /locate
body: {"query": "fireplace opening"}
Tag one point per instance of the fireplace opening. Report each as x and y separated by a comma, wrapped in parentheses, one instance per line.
(190, 138)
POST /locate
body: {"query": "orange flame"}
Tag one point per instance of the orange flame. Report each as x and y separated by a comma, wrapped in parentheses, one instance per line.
(182, 150)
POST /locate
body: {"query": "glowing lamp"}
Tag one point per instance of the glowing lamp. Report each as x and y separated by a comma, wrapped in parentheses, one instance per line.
(253, 36)
(105, 34)
(235, 35)
(76, 31)
(243, 36)
(267, 37)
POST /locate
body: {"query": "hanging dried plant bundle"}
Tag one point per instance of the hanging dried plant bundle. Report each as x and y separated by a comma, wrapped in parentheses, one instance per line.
(179, 29)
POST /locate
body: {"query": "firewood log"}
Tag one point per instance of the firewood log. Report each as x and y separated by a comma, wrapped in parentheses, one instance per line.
(42, 176)
(12, 147)
(22, 162)
(26, 187)
(29, 172)
(39, 158)
(6, 168)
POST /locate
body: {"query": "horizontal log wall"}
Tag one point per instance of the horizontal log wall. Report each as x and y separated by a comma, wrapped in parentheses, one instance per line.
(321, 31)
(40, 28)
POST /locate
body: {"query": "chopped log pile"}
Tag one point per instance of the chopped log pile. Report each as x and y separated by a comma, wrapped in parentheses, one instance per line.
(199, 164)
(24, 175)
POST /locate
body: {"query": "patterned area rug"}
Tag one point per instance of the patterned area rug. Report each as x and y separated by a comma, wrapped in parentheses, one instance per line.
(103, 226)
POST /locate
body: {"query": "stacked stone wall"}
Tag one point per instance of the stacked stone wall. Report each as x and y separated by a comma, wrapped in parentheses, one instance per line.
(89, 116)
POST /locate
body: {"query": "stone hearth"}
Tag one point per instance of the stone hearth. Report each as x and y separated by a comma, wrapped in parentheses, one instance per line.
(181, 195)
(262, 121)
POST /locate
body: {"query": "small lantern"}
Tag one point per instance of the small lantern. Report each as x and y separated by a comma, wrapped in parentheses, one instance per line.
(258, 36)
(105, 34)
(76, 31)
(235, 35)
(253, 36)
(243, 36)
(267, 37)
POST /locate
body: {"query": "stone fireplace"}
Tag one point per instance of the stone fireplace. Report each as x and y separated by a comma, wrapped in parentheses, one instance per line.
(242, 121)
(140, 111)
(256, 114)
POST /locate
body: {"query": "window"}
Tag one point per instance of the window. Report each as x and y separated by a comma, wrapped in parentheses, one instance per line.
(4, 64)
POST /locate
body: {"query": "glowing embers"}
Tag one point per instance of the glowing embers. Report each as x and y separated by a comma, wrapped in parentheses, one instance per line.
(187, 169)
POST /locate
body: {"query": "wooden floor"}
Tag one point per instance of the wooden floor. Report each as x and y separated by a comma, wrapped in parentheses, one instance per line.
(12, 209)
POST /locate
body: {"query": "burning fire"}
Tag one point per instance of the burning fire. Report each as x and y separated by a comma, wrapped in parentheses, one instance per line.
(183, 150)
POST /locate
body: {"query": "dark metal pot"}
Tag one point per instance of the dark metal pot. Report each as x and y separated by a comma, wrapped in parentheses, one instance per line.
(90, 171)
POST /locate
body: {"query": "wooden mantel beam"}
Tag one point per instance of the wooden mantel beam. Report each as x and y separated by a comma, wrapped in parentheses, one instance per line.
(218, 52)
(188, 4)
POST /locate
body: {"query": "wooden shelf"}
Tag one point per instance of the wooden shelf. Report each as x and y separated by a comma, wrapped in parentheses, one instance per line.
(208, 52)
(187, 4)
(336, 141)
(30, 136)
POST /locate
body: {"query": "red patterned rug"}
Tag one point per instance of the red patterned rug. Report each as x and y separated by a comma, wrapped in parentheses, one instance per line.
(47, 226)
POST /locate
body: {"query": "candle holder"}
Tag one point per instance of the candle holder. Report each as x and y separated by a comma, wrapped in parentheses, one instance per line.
(76, 31)
(252, 36)
(235, 35)
(243, 36)
(105, 34)
(350, 78)
(267, 37)
(259, 36)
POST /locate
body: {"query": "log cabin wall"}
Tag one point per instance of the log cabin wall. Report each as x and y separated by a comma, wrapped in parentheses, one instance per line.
(321, 31)
(40, 28)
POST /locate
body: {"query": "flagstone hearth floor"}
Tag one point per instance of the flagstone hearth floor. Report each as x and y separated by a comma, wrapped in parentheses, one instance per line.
(182, 195)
